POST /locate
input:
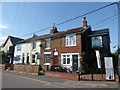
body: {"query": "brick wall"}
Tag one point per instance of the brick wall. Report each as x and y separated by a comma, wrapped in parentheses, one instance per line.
(69, 76)
(60, 45)
(73, 49)
(26, 68)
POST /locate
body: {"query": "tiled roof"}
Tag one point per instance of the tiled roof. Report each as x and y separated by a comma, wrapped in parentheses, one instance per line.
(56, 35)
(100, 32)
(14, 40)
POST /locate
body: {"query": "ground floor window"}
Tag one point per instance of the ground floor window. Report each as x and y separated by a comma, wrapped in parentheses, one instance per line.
(66, 59)
(47, 58)
(33, 58)
(71, 61)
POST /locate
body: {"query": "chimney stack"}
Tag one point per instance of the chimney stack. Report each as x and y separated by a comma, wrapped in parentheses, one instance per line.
(54, 30)
(34, 35)
(84, 23)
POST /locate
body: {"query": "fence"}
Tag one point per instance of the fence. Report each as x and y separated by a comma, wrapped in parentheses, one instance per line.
(76, 77)
(91, 77)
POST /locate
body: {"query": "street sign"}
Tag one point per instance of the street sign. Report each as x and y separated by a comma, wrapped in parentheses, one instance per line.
(39, 56)
(16, 58)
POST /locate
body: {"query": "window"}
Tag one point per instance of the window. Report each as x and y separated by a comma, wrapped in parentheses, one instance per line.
(66, 59)
(47, 58)
(97, 41)
(18, 47)
(23, 58)
(48, 43)
(34, 45)
(33, 58)
(71, 40)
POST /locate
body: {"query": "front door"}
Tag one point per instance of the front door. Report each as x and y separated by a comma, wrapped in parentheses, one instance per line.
(75, 62)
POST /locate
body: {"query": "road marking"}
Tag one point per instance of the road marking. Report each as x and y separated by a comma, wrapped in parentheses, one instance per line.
(30, 79)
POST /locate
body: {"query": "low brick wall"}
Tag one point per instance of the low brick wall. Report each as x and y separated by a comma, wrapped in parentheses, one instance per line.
(2, 66)
(95, 77)
(117, 78)
(26, 68)
(73, 76)
(69, 76)
(12, 67)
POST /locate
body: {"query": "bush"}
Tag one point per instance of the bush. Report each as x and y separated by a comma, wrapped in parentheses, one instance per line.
(58, 68)
(41, 72)
(55, 68)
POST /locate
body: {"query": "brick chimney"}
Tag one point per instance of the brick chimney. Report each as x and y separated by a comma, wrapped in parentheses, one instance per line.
(53, 30)
(84, 23)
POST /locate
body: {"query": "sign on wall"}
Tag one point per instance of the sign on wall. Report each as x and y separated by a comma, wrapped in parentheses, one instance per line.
(98, 59)
(110, 74)
(39, 56)
(109, 68)
(108, 62)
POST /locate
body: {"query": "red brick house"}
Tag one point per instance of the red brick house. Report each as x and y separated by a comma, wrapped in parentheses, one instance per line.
(65, 48)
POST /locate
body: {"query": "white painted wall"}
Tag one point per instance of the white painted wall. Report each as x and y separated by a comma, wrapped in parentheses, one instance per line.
(26, 48)
(17, 53)
(34, 51)
(7, 45)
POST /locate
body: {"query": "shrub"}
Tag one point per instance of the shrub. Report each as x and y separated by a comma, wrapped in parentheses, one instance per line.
(41, 72)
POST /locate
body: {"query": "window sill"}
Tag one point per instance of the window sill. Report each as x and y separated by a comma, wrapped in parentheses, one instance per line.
(46, 63)
(47, 48)
(70, 45)
(34, 49)
(67, 64)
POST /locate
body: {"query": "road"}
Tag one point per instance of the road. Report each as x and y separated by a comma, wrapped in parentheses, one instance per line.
(21, 80)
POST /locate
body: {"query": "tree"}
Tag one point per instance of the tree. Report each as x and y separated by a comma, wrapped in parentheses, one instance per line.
(3, 56)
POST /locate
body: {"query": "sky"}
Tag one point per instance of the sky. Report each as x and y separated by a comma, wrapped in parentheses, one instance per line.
(21, 18)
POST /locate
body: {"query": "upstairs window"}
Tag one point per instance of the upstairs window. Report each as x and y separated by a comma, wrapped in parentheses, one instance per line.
(48, 43)
(71, 40)
(97, 41)
(34, 45)
(18, 47)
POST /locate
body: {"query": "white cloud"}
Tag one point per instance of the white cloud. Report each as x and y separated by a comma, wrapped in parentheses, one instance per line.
(3, 26)
(2, 39)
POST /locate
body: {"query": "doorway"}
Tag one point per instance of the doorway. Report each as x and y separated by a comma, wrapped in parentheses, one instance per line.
(75, 62)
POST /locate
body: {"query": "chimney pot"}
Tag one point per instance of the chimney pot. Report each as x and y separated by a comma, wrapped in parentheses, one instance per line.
(84, 23)
(84, 18)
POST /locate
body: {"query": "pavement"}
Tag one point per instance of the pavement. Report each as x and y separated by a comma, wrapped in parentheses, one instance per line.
(11, 79)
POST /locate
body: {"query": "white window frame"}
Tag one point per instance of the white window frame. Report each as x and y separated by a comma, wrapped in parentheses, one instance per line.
(18, 47)
(47, 53)
(47, 57)
(33, 45)
(93, 41)
(66, 59)
(71, 54)
(69, 42)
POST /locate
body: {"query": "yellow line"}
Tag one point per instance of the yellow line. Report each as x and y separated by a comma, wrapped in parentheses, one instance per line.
(30, 79)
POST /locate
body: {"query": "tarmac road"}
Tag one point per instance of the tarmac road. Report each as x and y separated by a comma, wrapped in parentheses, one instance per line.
(12, 79)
